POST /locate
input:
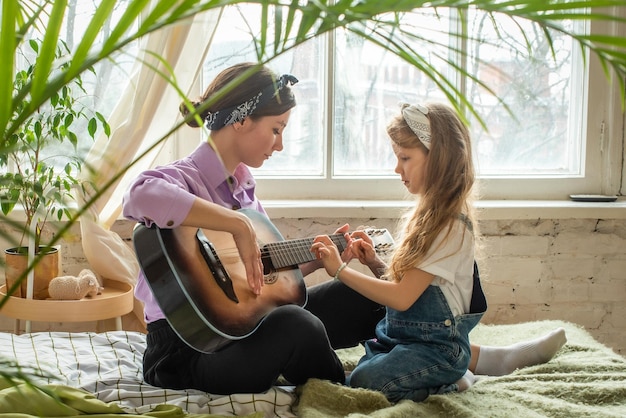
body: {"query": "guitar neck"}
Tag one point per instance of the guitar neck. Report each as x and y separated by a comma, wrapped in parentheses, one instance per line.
(297, 251)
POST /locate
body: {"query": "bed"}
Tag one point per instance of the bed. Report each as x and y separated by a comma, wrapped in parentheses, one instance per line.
(100, 373)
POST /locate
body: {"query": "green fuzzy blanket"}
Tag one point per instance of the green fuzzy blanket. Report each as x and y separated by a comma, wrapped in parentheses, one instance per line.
(585, 379)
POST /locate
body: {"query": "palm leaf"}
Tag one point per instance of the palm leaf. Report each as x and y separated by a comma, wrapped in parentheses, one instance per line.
(100, 17)
(8, 44)
(313, 19)
(46, 54)
(305, 21)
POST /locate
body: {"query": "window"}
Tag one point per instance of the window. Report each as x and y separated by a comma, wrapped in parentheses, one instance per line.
(335, 145)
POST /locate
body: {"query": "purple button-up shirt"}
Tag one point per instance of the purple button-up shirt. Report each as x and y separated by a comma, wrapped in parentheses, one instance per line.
(164, 195)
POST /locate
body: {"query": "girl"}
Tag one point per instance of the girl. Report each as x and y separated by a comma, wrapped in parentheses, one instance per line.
(431, 288)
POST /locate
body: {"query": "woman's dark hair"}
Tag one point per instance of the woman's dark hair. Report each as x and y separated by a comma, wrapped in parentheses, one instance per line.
(251, 86)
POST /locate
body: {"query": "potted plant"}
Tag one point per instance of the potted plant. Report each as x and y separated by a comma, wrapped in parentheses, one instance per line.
(41, 162)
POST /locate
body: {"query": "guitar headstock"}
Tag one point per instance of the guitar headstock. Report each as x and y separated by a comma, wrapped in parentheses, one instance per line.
(382, 240)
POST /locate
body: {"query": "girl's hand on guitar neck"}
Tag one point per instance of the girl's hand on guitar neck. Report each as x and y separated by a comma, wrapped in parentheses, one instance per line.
(346, 256)
(327, 252)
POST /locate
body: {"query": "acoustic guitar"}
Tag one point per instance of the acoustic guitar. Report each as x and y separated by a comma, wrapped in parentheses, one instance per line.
(199, 280)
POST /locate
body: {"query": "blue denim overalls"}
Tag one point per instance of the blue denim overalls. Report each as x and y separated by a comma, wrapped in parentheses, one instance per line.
(420, 351)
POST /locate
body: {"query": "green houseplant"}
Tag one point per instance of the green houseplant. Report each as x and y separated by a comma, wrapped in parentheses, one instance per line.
(41, 162)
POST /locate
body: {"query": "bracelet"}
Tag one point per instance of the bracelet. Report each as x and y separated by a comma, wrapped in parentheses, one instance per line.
(341, 267)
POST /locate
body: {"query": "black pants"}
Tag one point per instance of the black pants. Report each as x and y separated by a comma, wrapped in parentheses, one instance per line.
(293, 342)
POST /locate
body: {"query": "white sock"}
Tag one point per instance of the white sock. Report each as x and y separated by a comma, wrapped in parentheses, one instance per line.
(498, 361)
(466, 381)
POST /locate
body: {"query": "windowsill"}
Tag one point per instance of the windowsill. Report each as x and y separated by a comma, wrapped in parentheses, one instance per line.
(488, 209)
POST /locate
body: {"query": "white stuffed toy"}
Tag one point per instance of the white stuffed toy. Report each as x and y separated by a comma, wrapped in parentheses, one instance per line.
(74, 287)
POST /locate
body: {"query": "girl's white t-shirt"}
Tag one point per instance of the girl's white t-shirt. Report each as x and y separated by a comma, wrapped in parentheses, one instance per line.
(452, 263)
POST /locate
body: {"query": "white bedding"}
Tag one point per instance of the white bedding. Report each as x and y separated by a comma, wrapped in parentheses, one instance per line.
(109, 366)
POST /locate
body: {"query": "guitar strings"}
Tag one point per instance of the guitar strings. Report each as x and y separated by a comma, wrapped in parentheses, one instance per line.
(302, 247)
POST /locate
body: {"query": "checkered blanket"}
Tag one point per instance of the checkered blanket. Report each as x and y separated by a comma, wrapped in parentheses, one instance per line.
(109, 365)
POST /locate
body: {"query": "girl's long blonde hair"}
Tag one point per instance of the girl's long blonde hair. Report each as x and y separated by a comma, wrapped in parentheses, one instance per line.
(448, 184)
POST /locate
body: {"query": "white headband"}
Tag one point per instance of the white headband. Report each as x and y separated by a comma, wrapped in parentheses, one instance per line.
(415, 117)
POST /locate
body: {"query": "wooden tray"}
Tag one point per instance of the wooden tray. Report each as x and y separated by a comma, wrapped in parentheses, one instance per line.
(115, 300)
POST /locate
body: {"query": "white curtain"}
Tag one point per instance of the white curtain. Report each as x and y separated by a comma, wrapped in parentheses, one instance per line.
(146, 111)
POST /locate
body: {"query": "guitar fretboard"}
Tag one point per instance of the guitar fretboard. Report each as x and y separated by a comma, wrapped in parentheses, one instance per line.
(298, 251)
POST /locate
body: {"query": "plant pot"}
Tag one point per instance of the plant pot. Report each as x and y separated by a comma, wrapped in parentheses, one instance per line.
(47, 268)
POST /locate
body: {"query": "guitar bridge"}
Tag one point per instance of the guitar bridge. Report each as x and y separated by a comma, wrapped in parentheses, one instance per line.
(220, 275)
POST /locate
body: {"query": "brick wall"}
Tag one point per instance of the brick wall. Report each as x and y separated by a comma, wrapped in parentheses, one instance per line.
(568, 269)
(573, 269)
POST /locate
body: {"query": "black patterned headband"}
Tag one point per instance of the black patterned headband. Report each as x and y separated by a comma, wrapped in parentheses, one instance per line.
(234, 114)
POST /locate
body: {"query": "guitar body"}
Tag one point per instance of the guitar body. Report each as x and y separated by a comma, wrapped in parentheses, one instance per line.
(205, 297)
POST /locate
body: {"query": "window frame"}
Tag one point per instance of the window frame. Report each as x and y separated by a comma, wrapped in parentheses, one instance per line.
(602, 147)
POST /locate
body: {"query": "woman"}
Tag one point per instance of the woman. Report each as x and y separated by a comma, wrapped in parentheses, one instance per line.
(201, 190)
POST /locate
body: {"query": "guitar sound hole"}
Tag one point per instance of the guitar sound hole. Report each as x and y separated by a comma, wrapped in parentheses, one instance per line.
(266, 259)
(270, 278)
